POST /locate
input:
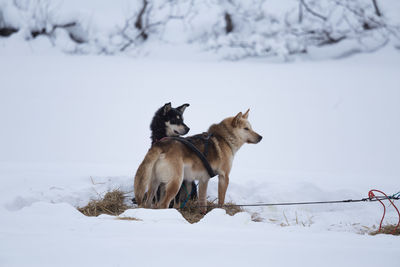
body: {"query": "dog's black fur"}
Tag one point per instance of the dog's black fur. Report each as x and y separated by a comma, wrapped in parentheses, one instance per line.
(163, 115)
(168, 114)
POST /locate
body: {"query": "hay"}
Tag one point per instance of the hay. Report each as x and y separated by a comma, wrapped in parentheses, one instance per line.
(387, 229)
(112, 204)
(255, 217)
(191, 211)
(127, 219)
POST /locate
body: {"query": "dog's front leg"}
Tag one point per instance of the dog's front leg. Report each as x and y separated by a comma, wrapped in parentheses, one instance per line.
(203, 195)
(223, 181)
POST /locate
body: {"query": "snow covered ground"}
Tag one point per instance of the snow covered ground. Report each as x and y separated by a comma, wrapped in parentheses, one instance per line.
(73, 127)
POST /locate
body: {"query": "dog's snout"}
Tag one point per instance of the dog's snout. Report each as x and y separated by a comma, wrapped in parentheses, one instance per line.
(259, 138)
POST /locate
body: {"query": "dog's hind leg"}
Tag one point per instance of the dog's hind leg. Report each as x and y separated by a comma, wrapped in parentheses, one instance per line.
(193, 191)
(183, 193)
(172, 188)
(152, 192)
(144, 173)
(160, 192)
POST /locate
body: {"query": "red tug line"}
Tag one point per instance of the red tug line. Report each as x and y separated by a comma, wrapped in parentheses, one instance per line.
(371, 196)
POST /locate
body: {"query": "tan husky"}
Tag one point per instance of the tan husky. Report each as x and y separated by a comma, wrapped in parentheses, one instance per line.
(170, 162)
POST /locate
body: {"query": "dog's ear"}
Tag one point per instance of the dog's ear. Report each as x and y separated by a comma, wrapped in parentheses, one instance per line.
(167, 107)
(183, 107)
(246, 115)
(235, 120)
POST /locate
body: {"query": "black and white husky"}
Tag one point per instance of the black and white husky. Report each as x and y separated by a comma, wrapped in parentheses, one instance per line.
(167, 122)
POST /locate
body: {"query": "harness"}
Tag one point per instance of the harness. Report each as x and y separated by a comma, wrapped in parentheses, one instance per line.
(202, 156)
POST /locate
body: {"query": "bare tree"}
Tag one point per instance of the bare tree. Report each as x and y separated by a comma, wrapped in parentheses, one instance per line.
(229, 23)
(234, 29)
(6, 29)
(150, 19)
(40, 19)
(377, 10)
(139, 20)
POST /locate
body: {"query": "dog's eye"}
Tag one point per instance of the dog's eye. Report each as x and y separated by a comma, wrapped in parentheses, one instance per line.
(246, 129)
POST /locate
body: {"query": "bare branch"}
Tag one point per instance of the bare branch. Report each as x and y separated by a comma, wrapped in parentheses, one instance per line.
(139, 20)
(300, 19)
(312, 11)
(228, 23)
(377, 10)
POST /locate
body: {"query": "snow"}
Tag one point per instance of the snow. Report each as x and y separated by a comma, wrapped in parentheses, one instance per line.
(76, 126)
(59, 235)
(166, 216)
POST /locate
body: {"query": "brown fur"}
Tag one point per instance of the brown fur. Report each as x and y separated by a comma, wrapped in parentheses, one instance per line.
(145, 172)
(170, 162)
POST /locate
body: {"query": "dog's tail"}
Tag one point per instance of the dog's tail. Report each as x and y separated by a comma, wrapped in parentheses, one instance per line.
(144, 173)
